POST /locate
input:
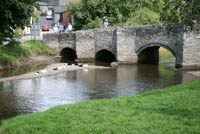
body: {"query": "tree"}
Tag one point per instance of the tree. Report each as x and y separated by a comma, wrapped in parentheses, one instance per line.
(118, 12)
(14, 14)
(85, 11)
(186, 12)
(143, 16)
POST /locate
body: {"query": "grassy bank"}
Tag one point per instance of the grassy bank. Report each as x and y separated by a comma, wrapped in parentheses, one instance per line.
(11, 54)
(165, 54)
(173, 110)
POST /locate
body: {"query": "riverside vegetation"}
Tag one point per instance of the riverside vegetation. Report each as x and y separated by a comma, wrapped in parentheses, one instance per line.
(13, 53)
(170, 110)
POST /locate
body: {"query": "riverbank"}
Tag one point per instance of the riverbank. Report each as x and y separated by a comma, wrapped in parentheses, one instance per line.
(17, 54)
(165, 111)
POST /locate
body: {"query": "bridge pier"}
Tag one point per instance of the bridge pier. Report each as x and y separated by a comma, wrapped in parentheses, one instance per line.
(191, 49)
(126, 38)
(85, 47)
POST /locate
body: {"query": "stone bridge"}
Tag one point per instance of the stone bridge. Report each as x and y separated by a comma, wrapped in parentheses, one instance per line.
(130, 44)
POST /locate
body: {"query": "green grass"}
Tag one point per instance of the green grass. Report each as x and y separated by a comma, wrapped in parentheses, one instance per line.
(173, 110)
(11, 54)
(164, 53)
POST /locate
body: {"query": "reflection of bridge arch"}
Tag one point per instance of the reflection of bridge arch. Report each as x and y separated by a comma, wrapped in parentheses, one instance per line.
(105, 55)
(68, 54)
(149, 53)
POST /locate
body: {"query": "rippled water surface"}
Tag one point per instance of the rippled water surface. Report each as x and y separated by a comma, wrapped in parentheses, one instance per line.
(39, 94)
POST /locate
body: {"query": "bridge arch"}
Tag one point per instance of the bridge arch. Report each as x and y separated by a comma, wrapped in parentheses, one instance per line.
(105, 56)
(68, 54)
(149, 53)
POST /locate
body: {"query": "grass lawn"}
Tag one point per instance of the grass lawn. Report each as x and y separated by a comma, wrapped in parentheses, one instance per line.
(173, 110)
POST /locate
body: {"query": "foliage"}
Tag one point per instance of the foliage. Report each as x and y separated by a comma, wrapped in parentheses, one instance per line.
(12, 53)
(50, 8)
(186, 12)
(143, 16)
(126, 12)
(45, 0)
(43, 14)
(36, 48)
(18, 33)
(97, 23)
(86, 11)
(163, 111)
(14, 14)
(117, 11)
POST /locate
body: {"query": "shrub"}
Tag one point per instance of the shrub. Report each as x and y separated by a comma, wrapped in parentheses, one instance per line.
(18, 33)
(11, 53)
(97, 23)
(143, 16)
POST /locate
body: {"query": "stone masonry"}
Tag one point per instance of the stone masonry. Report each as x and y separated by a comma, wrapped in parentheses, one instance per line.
(128, 43)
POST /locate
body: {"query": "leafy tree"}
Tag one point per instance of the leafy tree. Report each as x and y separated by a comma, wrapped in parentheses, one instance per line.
(97, 23)
(143, 16)
(85, 11)
(186, 12)
(14, 14)
(45, 0)
(117, 11)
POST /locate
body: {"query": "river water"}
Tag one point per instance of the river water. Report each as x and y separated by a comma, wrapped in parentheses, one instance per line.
(39, 94)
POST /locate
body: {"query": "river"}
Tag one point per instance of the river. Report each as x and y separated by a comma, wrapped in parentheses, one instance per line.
(39, 94)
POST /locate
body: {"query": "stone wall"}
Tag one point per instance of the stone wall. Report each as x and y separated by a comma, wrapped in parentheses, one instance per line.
(67, 40)
(191, 49)
(51, 40)
(156, 35)
(126, 45)
(105, 39)
(85, 47)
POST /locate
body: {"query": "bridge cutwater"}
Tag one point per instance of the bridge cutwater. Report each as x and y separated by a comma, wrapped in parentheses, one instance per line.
(130, 44)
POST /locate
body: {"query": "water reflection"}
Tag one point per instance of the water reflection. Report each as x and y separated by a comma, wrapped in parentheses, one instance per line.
(39, 94)
(21, 70)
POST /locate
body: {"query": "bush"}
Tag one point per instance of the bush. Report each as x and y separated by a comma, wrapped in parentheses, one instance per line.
(13, 52)
(18, 33)
(97, 23)
(142, 17)
(8, 60)
(43, 14)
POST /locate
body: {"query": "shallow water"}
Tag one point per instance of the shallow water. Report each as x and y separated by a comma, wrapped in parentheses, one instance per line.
(39, 94)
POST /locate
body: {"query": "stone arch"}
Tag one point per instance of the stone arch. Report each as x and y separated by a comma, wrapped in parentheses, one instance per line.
(68, 54)
(155, 45)
(149, 53)
(105, 56)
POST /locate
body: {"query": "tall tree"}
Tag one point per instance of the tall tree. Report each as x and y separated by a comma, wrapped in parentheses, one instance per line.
(14, 14)
(186, 12)
(117, 11)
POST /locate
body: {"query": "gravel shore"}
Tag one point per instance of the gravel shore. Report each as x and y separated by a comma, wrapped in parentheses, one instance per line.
(51, 70)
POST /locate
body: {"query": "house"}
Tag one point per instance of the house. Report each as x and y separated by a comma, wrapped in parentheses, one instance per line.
(60, 15)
